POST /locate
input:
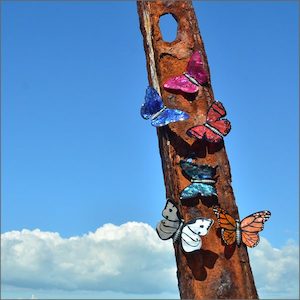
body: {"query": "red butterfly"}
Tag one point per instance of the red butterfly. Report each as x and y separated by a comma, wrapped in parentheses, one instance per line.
(246, 230)
(214, 128)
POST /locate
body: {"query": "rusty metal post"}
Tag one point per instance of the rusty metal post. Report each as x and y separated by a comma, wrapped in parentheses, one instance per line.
(214, 272)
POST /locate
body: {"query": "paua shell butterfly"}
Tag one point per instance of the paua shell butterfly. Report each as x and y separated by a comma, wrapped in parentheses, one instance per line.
(202, 178)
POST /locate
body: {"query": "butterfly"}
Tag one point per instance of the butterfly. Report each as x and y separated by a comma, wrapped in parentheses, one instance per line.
(214, 128)
(245, 231)
(190, 80)
(160, 115)
(174, 227)
(202, 178)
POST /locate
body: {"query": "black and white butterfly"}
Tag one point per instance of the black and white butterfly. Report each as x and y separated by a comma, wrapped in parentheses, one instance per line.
(174, 227)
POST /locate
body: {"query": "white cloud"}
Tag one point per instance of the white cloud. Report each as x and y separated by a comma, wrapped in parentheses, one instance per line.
(127, 261)
(276, 271)
(129, 258)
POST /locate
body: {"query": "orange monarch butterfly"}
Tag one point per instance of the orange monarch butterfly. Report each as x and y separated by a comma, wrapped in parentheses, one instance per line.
(246, 230)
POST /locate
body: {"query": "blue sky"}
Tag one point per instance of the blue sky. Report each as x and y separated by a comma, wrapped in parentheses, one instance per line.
(77, 155)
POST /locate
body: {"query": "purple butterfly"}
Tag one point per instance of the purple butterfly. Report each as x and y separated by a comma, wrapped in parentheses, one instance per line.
(191, 79)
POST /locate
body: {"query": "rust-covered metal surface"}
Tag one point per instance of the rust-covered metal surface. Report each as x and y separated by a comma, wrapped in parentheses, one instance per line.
(216, 271)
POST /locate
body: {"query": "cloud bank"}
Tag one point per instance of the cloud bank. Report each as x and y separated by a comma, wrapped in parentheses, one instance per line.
(129, 259)
(276, 271)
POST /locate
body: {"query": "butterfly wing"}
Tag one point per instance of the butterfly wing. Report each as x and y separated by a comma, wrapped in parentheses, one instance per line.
(196, 69)
(197, 132)
(189, 168)
(227, 224)
(223, 126)
(181, 83)
(167, 228)
(251, 225)
(196, 171)
(215, 112)
(214, 135)
(195, 189)
(191, 232)
(153, 103)
(170, 212)
(250, 239)
(216, 128)
(255, 222)
(202, 132)
(169, 116)
(228, 236)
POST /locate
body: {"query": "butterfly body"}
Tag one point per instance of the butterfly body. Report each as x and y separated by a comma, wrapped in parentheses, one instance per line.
(154, 116)
(246, 231)
(202, 180)
(188, 233)
(214, 127)
(178, 232)
(190, 80)
(238, 232)
(155, 110)
(206, 181)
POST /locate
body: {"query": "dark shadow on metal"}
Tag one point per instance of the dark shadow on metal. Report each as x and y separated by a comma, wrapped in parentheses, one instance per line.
(210, 201)
(214, 147)
(228, 249)
(199, 260)
(190, 202)
(182, 147)
(189, 97)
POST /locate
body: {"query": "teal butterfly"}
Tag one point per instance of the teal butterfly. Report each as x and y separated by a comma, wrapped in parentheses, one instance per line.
(202, 178)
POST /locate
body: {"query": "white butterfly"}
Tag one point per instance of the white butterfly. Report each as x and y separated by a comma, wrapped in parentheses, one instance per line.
(174, 227)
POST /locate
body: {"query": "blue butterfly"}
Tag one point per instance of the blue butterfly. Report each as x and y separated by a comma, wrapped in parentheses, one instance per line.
(160, 115)
(202, 178)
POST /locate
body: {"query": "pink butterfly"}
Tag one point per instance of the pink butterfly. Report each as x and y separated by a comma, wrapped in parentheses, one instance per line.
(191, 79)
(214, 128)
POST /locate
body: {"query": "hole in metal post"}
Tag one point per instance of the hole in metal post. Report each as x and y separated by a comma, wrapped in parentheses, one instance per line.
(168, 27)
